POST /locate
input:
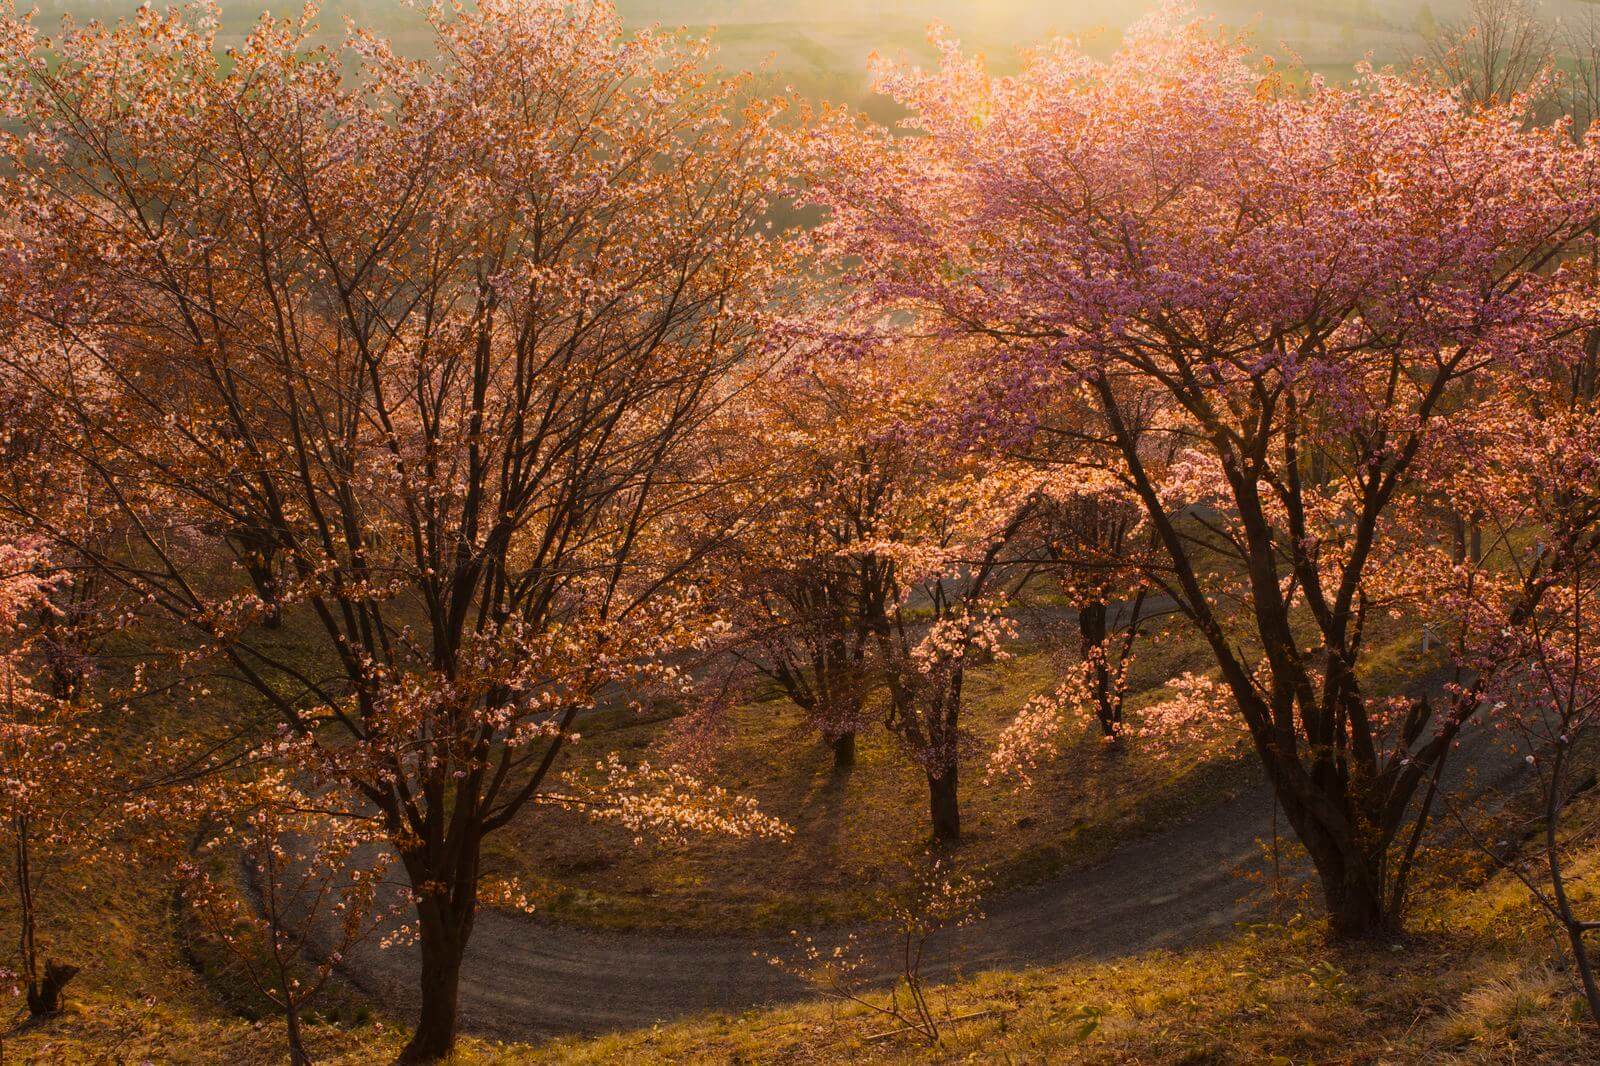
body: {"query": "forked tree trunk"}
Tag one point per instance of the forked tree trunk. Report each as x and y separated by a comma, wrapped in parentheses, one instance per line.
(257, 551)
(943, 807)
(264, 579)
(1351, 877)
(1092, 629)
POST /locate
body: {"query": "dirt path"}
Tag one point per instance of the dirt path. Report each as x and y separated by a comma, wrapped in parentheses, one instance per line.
(525, 980)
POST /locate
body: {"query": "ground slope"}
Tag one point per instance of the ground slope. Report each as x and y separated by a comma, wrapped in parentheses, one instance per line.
(527, 980)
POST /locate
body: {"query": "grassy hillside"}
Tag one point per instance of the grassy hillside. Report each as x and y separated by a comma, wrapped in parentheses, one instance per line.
(1479, 979)
(821, 49)
(150, 990)
(857, 832)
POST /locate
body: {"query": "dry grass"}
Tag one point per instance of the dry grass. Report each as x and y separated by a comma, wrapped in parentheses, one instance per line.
(1483, 990)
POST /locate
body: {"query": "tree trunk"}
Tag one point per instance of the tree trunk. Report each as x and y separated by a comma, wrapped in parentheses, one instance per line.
(66, 667)
(1586, 978)
(844, 750)
(298, 1056)
(943, 807)
(1352, 888)
(1355, 912)
(442, 951)
(1092, 627)
(44, 995)
(258, 552)
(266, 586)
(1556, 799)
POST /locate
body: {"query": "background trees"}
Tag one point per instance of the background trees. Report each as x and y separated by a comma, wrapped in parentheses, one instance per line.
(56, 774)
(946, 539)
(807, 586)
(31, 790)
(883, 560)
(1495, 53)
(1310, 288)
(954, 580)
(432, 340)
(1089, 539)
(1533, 481)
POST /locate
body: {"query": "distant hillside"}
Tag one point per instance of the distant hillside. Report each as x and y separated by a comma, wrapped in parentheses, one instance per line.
(821, 47)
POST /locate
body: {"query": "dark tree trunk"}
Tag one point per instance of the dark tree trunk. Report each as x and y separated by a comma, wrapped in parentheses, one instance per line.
(298, 1056)
(1586, 978)
(257, 551)
(1092, 630)
(442, 951)
(1092, 625)
(943, 807)
(44, 994)
(844, 750)
(66, 666)
(1556, 800)
(1355, 911)
(1458, 538)
(446, 905)
(1351, 877)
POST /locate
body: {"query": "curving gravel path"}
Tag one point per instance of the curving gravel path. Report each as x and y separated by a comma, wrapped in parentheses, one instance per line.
(526, 980)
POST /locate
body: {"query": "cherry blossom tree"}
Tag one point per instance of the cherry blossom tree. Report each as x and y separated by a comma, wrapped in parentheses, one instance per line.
(54, 774)
(803, 587)
(1533, 479)
(312, 895)
(927, 660)
(952, 573)
(1551, 703)
(1312, 287)
(1088, 538)
(423, 350)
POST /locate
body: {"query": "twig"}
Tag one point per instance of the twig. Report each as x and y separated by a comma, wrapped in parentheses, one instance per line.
(878, 1038)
